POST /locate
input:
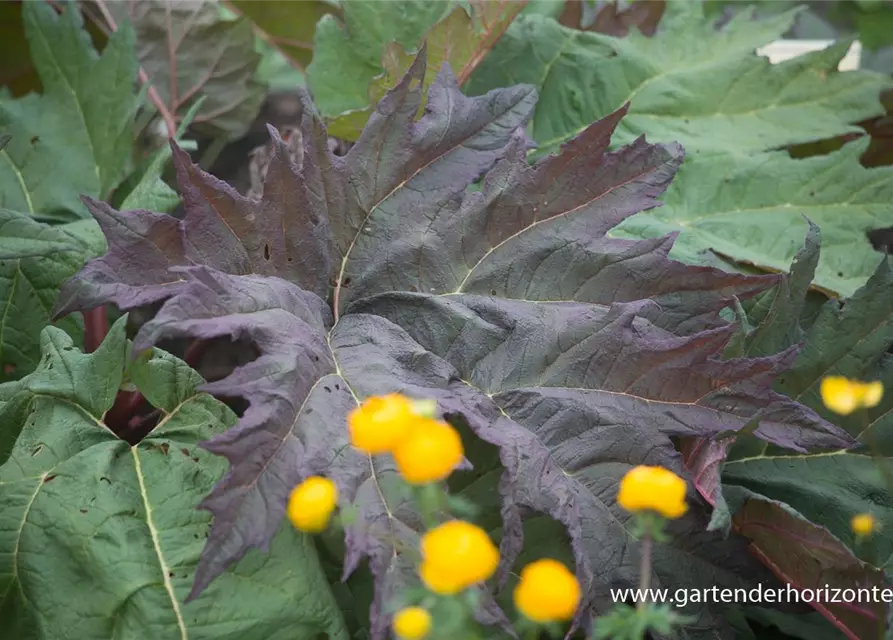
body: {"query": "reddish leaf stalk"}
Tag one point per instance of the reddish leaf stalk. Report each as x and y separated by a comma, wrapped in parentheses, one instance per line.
(96, 326)
(154, 98)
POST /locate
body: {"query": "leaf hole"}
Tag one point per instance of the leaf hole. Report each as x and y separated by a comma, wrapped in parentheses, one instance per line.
(346, 282)
(37, 450)
(328, 389)
(50, 477)
(267, 252)
(289, 259)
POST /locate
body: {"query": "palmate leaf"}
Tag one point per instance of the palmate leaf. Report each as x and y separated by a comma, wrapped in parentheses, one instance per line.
(570, 366)
(755, 210)
(691, 83)
(83, 514)
(76, 137)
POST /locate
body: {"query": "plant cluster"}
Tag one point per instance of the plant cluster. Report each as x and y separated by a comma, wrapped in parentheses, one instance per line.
(537, 302)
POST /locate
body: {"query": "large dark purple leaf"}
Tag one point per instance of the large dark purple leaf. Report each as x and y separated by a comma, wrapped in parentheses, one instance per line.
(578, 356)
(281, 235)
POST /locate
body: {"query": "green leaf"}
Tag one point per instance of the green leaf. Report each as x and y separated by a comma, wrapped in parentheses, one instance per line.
(75, 138)
(346, 58)
(35, 259)
(751, 209)
(460, 40)
(22, 237)
(151, 192)
(190, 53)
(115, 527)
(690, 83)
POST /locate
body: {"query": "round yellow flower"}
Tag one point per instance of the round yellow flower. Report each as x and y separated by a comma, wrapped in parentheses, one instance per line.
(653, 489)
(843, 396)
(429, 453)
(863, 524)
(456, 555)
(381, 423)
(311, 504)
(412, 623)
(548, 592)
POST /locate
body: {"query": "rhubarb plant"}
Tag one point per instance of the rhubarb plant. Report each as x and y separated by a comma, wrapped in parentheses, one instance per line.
(590, 252)
(574, 356)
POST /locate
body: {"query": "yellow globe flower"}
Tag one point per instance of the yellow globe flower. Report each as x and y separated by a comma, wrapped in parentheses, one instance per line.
(412, 623)
(311, 504)
(456, 555)
(863, 524)
(381, 423)
(653, 489)
(429, 453)
(547, 592)
(843, 396)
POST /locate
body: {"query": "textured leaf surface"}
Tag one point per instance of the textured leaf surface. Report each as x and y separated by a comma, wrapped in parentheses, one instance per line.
(805, 554)
(222, 229)
(22, 237)
(75, 138)
(443, 293)
(751, 209)
(460, 39)
(784, 493)
(35, 259)
(189, 52)
(115, 525)
(690, 83)
(849, 340)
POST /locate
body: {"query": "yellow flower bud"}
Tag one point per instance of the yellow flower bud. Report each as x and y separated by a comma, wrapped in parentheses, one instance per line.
(412, 623)
(311, 504)
(863, 524)
(381, 423)
(653, 489)
(456, 555)
(429, 453)
(547, 592)
(843, 396)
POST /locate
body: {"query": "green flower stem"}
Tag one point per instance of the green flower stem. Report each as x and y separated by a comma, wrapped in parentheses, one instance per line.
(645, 570)
(430, 499)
